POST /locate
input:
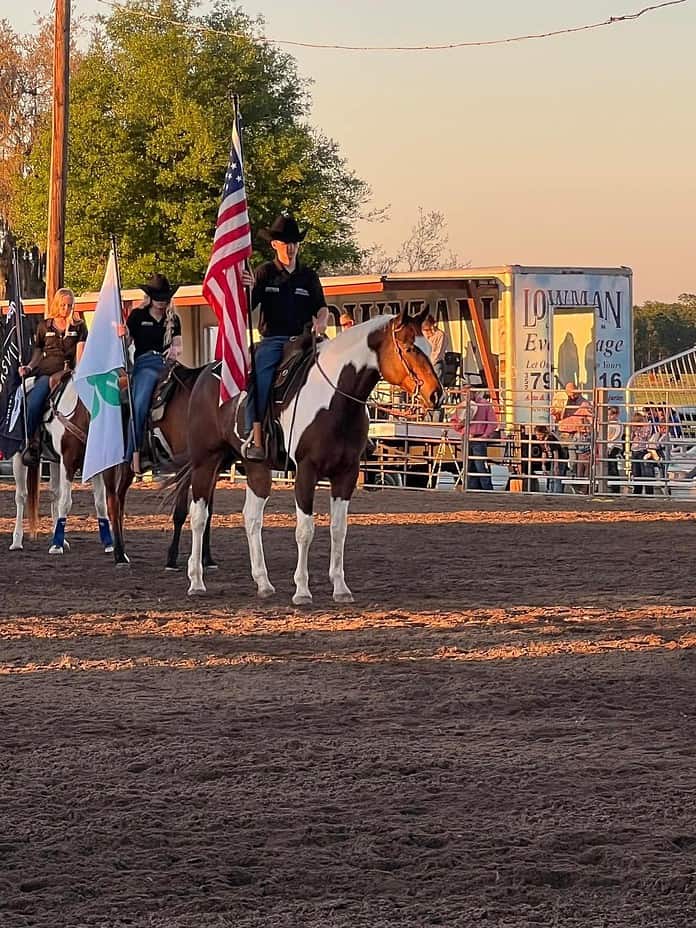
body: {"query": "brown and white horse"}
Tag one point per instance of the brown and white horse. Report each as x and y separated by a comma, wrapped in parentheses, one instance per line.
(325, 431)
(67, 423)
(172, 431)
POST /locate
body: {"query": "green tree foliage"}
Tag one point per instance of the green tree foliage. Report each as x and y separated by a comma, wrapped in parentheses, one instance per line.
(663, 329)
(151, 122)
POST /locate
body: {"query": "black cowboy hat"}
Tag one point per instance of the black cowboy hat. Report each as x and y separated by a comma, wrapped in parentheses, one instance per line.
(158, 288)
(284, 229)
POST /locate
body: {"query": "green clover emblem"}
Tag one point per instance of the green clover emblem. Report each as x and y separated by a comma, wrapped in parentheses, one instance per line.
(106, 387)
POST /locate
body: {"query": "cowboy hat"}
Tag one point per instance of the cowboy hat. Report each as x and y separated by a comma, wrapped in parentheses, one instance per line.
(283, 229)
(158, 288)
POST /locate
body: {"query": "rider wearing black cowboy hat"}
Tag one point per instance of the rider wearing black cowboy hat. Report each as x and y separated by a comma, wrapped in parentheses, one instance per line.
(155, 331)
(291, 296)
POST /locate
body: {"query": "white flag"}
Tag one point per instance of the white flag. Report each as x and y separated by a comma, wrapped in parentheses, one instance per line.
(96, 379)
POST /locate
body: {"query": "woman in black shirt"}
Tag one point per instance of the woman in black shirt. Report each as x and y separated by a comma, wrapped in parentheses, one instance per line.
(58, 345)
(155, 332)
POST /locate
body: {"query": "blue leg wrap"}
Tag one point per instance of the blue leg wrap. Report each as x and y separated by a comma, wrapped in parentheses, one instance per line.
(59, 533)
(105, 532)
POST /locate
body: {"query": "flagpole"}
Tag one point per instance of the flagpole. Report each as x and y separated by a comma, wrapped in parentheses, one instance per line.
(19, 334)
(124, 342)
(258, 436)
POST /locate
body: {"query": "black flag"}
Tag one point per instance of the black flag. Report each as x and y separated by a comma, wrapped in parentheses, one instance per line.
(11, 356)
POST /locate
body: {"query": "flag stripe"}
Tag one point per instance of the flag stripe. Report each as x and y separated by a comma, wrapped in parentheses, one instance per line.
(222, 285)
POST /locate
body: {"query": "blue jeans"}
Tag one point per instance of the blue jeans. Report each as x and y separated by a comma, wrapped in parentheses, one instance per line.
(267, 357)
(479, 477)
(146, 373)
(36, 402)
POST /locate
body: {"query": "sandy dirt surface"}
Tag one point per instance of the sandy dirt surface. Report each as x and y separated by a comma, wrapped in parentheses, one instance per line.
(501, 731)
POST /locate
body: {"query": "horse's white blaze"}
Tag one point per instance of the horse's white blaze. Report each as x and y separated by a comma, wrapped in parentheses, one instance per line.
(304, 533)
(339, 527)
(350, 347)
(253, 523)
(198, 512)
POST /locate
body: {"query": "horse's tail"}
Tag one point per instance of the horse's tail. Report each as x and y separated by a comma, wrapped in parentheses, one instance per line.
(177, 483)
(33, 488)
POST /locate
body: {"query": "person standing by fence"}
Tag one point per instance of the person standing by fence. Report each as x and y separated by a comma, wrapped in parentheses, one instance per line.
(483, 424)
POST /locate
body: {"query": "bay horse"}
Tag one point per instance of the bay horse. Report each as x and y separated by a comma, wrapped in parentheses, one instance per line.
(325, 429)
(172, 432)
(67, 421)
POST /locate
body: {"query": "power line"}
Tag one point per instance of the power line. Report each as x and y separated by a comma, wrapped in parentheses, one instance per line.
(199, 27)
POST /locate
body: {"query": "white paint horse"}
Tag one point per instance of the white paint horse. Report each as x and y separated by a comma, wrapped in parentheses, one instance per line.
(67, 425)
(325, 431)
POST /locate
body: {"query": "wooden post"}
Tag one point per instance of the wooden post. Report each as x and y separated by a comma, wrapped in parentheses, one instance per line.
(55, 252)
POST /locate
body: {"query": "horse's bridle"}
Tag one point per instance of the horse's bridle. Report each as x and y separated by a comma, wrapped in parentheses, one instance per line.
(404, 363)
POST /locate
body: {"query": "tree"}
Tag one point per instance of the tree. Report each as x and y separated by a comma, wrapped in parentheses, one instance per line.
(25, 99)
(425, 249)
(663, 329)
(151, 122)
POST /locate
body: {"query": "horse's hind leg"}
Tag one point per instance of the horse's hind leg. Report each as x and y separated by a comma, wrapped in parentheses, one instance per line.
(62, 507)
(178, 518)
(305, 483)
(257, 492)
(341, 492)
(114, 507)
(99, 491)
(20, 479)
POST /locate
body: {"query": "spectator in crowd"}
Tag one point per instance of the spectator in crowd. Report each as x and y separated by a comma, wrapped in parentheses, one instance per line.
(554, 457)
(641, 469)
(574, 418)
(346, 320)
(615, 446)
(436, 337)
(483, 424)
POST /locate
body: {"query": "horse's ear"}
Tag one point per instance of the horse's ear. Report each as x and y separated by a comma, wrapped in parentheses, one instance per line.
(420, 317)
(401, 319)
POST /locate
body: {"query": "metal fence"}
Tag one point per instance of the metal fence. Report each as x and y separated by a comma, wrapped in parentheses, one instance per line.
(640, 441)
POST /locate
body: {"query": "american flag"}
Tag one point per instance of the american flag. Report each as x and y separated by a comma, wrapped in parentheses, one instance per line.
(222, 284)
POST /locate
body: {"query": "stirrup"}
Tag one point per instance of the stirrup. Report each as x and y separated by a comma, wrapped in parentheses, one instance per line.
(250, 452)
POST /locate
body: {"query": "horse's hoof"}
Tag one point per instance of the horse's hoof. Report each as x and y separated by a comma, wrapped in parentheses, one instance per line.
(172, 567)
(302, 600)
(124, 563)
(197, 591)
(66, 545)
(55, 549)
(16, 546)
(266, 592)
(343, 598)
(109, 549)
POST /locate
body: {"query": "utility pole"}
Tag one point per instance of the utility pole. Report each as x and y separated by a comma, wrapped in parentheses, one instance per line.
(55, 254)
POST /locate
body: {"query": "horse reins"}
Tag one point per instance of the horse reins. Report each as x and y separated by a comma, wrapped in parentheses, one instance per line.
(389, 409)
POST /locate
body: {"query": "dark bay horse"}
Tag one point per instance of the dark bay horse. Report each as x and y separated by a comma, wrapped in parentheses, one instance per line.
(67, 422)
(325, 431)
(172, 431)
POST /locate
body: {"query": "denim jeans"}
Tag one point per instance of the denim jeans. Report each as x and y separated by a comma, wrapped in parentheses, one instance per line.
(479, 477)
(36, 402)
(267, 357)
(146, 373)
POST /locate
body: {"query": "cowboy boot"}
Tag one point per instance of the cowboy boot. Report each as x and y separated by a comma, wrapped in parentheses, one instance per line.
(31, 456)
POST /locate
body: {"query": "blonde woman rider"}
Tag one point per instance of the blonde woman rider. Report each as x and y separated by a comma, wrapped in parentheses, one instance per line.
(58, 345)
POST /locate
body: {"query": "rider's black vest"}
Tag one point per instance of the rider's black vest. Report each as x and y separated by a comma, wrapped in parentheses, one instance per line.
(58, 349)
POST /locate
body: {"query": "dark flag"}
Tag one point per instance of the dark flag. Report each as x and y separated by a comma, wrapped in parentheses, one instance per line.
(11, 356)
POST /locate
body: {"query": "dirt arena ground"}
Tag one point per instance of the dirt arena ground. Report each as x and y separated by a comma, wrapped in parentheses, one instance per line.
(501, 731)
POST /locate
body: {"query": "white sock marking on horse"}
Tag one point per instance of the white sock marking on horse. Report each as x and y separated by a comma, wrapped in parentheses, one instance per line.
(339, 527)
(253, 523)
(21, 493)
(350, 347)
(304, 533)
(198, 511)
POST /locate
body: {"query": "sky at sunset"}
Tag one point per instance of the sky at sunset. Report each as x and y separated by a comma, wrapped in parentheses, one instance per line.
(576, 150)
